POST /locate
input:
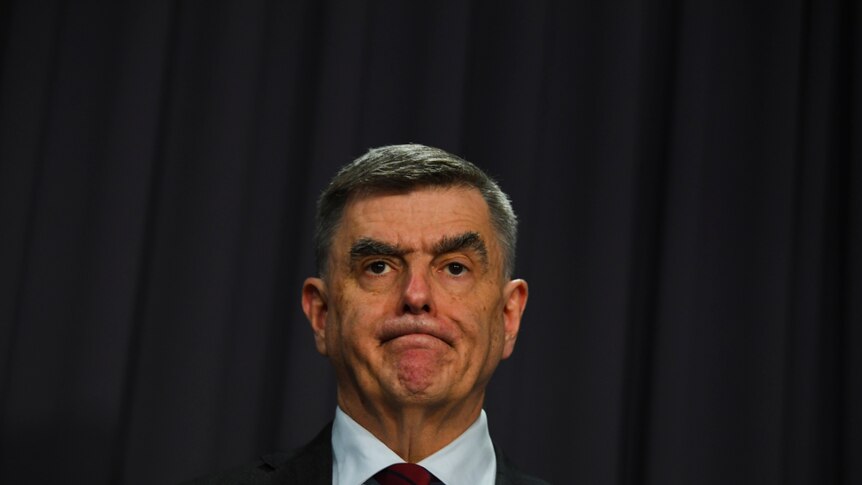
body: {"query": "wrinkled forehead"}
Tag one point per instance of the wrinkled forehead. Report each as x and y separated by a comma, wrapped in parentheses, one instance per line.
(415, 218)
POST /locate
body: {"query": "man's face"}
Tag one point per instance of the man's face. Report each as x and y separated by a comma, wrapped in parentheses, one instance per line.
(414, 309)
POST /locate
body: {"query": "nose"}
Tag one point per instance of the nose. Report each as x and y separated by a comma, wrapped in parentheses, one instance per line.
(416, 297)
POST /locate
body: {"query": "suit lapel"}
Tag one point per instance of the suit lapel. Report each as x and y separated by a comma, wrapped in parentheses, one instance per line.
(504, 468)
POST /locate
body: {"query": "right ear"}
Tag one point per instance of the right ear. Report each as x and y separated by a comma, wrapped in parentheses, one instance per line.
(315, 307)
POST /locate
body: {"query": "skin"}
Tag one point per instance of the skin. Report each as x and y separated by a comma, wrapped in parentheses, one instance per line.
(415, 313)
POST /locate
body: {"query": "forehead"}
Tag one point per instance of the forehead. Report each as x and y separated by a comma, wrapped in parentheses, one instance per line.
(416, 218)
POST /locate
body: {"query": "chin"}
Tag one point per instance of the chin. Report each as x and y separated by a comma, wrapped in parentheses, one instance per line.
(418, 392)
(421, 381)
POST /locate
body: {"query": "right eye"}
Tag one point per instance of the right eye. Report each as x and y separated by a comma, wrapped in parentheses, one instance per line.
(378, 268)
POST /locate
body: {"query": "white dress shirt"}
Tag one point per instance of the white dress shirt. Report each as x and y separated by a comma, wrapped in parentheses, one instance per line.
(357, 455)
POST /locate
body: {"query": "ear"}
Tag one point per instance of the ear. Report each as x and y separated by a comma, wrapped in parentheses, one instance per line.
(315, 307)
(515, 297)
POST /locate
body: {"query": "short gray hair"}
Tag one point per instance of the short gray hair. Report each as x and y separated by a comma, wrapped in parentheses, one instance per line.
(406, 167)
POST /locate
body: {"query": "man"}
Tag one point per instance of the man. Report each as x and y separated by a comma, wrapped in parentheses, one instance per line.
(414, 306)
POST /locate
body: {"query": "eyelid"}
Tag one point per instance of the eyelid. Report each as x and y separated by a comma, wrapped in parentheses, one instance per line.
(465, 264)
(366, 265)
(462, 258)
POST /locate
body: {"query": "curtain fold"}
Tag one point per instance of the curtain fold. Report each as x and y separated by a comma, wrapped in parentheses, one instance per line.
(687, 177)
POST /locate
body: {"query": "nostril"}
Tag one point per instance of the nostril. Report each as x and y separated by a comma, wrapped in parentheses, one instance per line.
(408, 308)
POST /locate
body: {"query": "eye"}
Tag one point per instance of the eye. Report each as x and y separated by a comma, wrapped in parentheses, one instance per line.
(378, 268)
(456, 269)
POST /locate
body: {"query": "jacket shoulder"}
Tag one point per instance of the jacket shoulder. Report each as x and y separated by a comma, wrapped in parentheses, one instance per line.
(309, 464)
(509, 474)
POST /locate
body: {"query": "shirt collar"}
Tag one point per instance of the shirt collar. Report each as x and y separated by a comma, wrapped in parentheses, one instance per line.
(358, 454)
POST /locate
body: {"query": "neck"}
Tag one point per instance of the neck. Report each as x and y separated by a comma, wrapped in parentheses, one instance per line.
(414, 432)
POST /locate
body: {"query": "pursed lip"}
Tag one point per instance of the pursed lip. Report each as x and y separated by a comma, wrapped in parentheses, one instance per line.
(398, 328)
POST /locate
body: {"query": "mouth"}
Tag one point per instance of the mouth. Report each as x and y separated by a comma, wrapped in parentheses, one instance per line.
(392, 330)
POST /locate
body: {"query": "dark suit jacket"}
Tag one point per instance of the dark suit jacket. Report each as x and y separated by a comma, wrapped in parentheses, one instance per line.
(312, 465)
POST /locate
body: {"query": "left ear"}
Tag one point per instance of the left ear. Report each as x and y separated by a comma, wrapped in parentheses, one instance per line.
(515, 298)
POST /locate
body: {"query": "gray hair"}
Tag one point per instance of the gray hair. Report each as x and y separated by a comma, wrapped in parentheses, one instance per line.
(405, 167)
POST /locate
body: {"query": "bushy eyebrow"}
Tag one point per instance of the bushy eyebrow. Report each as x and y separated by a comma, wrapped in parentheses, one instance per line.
(466, 241)
(367, 246)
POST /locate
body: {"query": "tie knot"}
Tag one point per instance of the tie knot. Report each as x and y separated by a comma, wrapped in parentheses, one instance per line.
(404, 474)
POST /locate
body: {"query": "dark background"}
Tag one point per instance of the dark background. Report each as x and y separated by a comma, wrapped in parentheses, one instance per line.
(688, 177)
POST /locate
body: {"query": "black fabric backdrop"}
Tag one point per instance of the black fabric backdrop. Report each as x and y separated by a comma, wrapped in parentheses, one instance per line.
(688, 176)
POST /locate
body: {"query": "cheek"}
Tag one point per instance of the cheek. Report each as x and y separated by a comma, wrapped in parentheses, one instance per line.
(353, 320)
(477, 326)
(489, 323)
(460, 289)
(338, 325)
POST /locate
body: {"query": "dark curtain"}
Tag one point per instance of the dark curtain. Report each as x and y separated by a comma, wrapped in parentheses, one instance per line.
(688, 176)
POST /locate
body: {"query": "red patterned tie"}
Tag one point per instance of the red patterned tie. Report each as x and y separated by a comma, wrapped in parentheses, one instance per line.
(404, 474)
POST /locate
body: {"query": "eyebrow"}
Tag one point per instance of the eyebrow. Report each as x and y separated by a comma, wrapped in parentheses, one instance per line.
(366, 246)
(466, 241)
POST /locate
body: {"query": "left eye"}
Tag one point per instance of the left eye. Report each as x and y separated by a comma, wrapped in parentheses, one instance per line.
(456, 269)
